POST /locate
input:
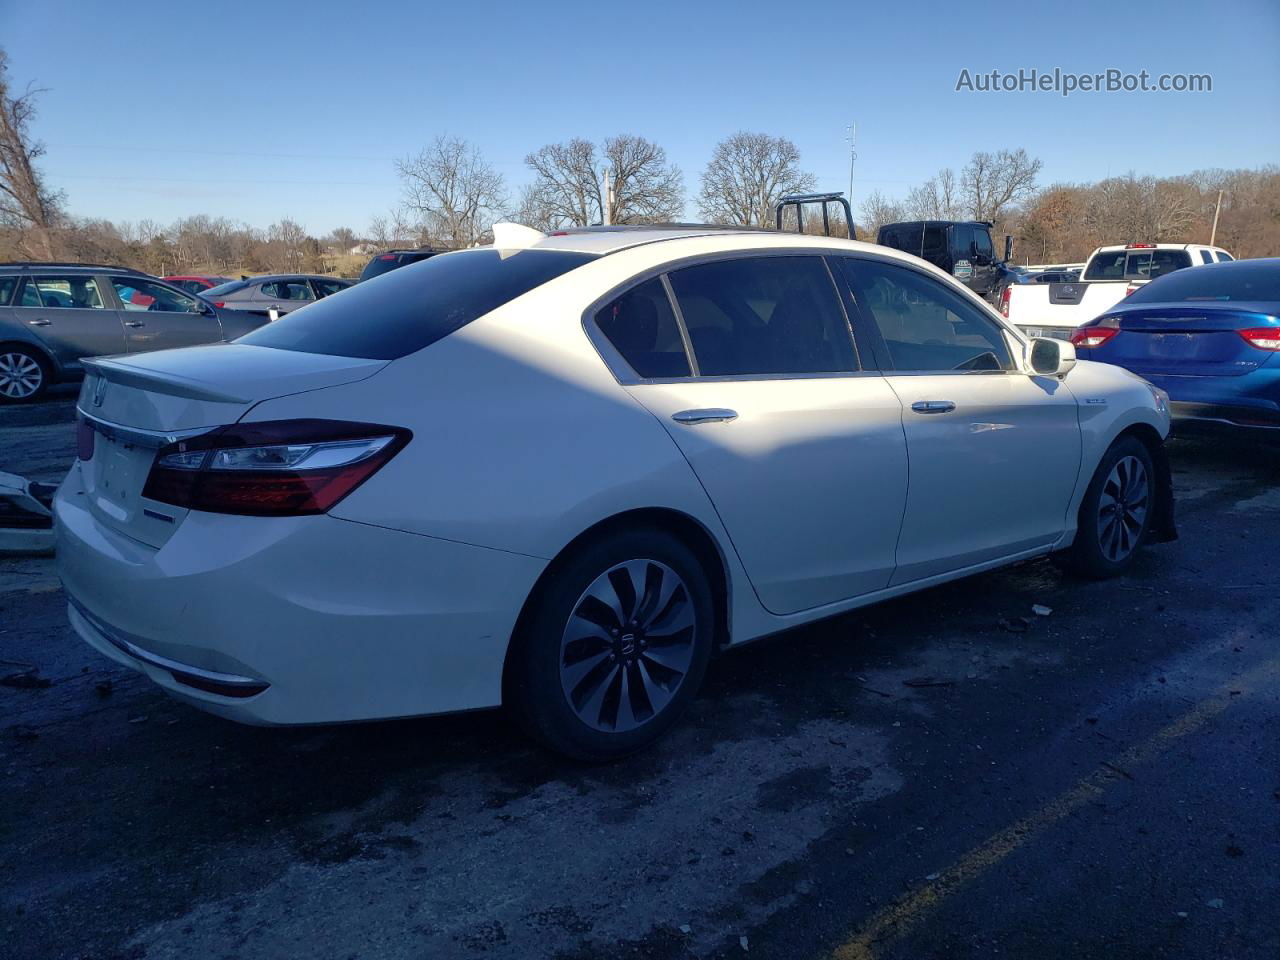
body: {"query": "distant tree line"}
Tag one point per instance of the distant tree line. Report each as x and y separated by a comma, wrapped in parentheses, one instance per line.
(451, 197)
(1063, 222)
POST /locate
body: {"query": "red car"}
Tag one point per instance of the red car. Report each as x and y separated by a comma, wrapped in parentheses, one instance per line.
(196, 284)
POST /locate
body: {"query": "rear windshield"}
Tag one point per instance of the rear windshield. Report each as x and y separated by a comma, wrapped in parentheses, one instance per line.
(408, 309)
(1240, 281)
(1136, 264)
(230, 287)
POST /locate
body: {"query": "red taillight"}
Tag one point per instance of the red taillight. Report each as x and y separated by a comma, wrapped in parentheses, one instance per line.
(1131, 288)
(1264, 338)
(1139, 246)
(1004, 301)
(387, 256)
(84, 439)
(219, 303)
(1090, 337)
(272, 469)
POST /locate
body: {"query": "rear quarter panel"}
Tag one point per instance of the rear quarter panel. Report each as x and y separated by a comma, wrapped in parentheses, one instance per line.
(522, 439)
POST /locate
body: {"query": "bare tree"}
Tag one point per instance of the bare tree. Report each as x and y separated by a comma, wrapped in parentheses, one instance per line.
(568, 184)
(565, 190)
(286, 245)
(645, 188)
(342, 239)
(937, 198)
(747, 175)
(25, 202)
(992, 182)
(455, 195)
(877, 210)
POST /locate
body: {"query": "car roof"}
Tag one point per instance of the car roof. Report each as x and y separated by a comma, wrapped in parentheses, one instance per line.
(28, 266)
(1154, 246)
(290, 276)
(605, 240)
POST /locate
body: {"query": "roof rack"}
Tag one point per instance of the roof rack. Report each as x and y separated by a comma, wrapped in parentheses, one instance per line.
(47, 265)
(798, 200)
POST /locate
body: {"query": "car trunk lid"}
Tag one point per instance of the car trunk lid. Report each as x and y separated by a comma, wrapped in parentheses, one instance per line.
(132, 406)
(1189, 339)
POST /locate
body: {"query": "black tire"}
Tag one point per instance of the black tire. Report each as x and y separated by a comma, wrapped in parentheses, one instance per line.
(1109, 532)
(17, 365)
(546, 656)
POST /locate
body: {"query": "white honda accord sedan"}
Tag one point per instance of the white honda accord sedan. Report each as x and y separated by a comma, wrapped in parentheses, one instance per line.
(561, 472)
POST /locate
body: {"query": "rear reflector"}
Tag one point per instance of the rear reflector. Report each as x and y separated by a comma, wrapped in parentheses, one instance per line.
(1264, 338)
(272, 469)
(84, 439)
(1089, 337)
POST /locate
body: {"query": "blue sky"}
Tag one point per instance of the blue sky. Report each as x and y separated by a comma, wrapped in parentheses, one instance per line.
(264, 110)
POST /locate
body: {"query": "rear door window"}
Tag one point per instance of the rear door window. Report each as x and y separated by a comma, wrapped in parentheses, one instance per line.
(413, 307)
(758, 316)
(287, 290)
(926, 326)
(935, 242)
(73, 292)
(7, 285)
(1206, 256)
(137, 294)
(642, 327)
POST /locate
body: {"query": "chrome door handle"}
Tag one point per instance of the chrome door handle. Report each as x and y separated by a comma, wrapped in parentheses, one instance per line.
(134, 323)
(933, 406)
(706, 415)
(39, 323)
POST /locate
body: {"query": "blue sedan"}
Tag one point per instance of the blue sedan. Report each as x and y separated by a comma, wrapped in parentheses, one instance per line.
(1210, 337)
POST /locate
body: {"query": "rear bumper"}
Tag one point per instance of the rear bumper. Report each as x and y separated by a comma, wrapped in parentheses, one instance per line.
(295, 620)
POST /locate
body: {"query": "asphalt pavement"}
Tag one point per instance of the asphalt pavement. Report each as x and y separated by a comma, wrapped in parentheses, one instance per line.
(951, 774)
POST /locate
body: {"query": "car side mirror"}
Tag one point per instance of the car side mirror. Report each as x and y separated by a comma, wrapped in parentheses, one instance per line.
(1050, 358)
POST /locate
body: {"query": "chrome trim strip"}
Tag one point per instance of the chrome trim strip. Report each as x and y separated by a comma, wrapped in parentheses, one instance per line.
(131, 649)
(151, 439)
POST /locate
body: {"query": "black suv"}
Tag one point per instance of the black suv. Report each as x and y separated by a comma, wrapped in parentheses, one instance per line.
(386, 262)
(962, 248)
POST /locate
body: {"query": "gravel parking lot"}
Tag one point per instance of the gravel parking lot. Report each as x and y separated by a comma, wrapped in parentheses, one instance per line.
(946, 775)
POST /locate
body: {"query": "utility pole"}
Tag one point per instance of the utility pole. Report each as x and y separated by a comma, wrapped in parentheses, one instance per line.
(853, 157)
(1213, 234)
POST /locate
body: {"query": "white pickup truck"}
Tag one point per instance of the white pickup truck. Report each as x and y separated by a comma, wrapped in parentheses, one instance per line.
(1110, 274)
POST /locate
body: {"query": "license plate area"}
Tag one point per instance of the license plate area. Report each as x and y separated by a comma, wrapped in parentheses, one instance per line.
(119, 473)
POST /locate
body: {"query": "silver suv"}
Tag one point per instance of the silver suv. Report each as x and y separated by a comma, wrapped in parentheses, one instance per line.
(54, 314)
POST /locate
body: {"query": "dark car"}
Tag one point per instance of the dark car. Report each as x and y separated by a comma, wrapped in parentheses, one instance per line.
(52, 315)
(194, 283)
(275, 294)
(1209, 337)
(1051, 276)
(392, 259)
(962, 248)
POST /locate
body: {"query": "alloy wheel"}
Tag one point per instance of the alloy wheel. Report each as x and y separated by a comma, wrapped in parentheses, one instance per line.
(20, 376)
(1122, 508)
(628, 645)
